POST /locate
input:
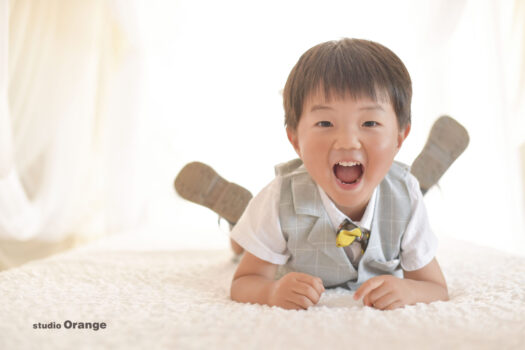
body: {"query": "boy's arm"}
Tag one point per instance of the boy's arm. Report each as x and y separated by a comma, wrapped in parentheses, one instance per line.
(428, 283)
(254, 282)
(388, 292)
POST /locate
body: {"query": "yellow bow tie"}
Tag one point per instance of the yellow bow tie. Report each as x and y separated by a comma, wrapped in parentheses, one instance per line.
(348, 233)
(347, 237)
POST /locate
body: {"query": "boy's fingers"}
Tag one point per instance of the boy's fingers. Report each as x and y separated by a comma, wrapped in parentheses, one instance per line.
(308, 291)
(300, 300)
(304, 277)
(313, 281)
(394, 305)
(287, 304)
(318, 286)
(368, 286)
(384, 301)
(376, 294)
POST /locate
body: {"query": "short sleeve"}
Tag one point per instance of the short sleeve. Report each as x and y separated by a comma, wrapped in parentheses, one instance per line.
(419, 244)
(258, 230)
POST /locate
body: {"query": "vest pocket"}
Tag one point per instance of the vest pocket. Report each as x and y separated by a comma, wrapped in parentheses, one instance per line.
(384, 266)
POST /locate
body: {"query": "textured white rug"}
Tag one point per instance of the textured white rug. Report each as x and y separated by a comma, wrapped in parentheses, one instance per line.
(163, 298)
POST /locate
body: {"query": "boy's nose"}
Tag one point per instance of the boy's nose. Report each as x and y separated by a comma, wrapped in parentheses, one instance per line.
(347, 140)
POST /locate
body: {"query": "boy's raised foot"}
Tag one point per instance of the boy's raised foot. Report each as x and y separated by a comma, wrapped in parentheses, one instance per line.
(447, 140)
(199, 183)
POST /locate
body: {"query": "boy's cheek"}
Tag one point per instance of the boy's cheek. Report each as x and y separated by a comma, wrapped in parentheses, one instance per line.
(385, 149)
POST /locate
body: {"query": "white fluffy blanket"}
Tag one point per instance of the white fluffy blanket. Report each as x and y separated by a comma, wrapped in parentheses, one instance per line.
(164, 298)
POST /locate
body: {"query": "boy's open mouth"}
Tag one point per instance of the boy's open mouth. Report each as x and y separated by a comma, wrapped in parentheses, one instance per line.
(348, 172)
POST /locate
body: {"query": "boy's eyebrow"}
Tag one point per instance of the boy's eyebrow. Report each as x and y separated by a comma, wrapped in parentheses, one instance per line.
(368, 107)
(372, 107)
(320, 107)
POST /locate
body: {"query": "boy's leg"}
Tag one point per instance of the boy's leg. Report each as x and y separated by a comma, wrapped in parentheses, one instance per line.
(199, 183)
(447, 140)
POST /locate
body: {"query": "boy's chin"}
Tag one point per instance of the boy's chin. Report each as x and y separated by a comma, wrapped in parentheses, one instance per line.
(350, 206)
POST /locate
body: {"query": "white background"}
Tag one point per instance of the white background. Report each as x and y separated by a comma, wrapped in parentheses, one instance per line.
(213, 77)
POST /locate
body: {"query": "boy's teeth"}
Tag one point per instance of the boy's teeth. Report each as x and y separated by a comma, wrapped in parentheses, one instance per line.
(348, 163)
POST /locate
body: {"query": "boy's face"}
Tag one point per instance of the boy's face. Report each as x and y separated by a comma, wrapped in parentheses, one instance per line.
(347, 145)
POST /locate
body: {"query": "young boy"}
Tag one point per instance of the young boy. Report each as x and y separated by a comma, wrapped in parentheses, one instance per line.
(344, 214)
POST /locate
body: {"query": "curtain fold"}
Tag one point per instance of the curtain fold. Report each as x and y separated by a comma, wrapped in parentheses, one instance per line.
(70, 72)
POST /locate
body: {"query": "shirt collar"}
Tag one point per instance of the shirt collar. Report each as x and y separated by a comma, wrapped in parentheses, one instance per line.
(336, 216)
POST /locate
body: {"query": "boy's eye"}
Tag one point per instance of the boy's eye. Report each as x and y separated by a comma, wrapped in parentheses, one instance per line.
(370, 123)
(324, 124)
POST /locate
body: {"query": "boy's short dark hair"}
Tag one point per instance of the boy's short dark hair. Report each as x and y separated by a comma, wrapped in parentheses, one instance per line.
(348, 66)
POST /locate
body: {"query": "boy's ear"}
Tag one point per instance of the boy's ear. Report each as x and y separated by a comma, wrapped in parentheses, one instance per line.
(292, 137)
(403, 135)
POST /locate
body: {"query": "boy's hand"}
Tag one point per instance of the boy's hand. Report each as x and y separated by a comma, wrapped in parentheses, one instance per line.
(296, 291)
(385, 292)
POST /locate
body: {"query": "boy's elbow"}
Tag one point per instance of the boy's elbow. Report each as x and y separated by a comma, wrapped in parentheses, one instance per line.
(445, 296)
(440, 292)
(444, 290)
(234, 291)
(239, 291)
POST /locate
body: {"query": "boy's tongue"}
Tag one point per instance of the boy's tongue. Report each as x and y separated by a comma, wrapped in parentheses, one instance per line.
(347, 174)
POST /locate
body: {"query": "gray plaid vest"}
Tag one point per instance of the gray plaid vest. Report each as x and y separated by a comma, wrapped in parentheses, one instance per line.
(311, 238)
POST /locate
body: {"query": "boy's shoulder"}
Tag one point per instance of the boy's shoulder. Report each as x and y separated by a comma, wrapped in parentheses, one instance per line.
(399, 169)
(293, 166)
(400, 181)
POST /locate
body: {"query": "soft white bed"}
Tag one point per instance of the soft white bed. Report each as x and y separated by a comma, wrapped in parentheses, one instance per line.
(152, 296)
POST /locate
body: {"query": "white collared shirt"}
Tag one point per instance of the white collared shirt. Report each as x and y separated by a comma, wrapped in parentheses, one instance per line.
(337, 217)
(259, 230)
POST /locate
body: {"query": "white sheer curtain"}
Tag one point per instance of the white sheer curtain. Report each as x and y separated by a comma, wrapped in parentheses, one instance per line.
(69, 77)
(478, 76)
